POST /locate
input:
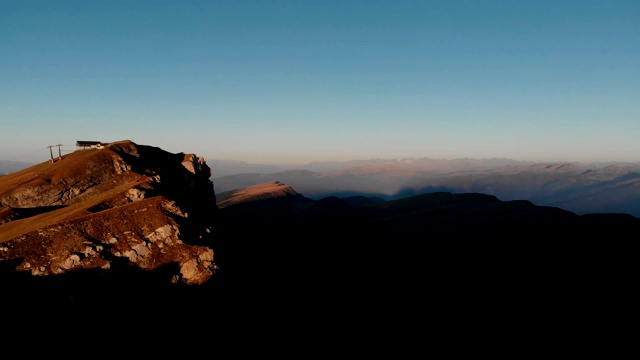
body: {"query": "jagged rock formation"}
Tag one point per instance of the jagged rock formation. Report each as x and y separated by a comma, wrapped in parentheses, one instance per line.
(96, 208)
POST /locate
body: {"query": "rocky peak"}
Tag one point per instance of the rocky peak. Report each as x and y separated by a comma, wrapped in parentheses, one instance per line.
(96, 207)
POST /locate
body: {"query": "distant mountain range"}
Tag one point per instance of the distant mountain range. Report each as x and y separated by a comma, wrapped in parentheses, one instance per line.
(579, 187)
(7, 166)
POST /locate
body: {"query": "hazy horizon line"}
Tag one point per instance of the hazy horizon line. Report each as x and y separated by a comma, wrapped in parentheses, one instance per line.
(363, 159)
(410, 158)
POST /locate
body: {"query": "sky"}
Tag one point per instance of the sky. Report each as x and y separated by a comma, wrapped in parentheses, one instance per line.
(297, 81)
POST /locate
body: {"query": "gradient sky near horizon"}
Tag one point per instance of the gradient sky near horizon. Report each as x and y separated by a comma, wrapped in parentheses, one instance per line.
(295, 81)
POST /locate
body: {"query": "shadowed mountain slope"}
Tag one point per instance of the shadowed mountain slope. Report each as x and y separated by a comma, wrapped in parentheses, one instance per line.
(438, 260)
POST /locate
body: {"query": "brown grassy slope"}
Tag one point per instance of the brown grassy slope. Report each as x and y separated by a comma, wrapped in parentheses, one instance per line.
(17, 228)
(45, 170)
(268, 190)
(81, 180)
(79, 175)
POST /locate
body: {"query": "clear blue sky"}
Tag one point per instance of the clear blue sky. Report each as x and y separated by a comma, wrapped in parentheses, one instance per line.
(297, 81)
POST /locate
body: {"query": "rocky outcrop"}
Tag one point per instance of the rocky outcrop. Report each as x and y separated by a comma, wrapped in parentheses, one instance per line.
(124, 203)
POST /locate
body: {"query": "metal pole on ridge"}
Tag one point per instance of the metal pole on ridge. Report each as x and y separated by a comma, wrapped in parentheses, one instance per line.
(51, 151)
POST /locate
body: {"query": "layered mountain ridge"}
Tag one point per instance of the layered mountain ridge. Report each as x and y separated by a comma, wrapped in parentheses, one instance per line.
(582, 188)
(129, 232)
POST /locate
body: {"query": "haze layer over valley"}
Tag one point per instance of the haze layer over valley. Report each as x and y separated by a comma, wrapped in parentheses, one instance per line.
(607, 187)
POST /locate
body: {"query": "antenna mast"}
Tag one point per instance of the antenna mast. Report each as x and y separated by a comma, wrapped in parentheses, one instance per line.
(59, 152)
(51, 151)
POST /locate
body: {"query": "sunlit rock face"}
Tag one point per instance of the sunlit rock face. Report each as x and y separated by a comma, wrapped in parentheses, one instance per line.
(124, 203)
